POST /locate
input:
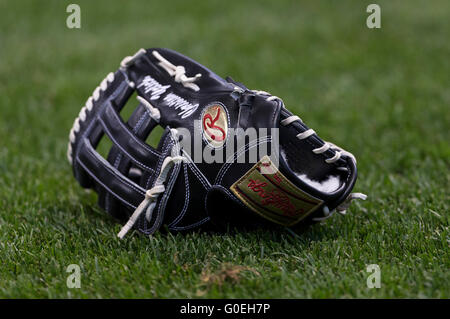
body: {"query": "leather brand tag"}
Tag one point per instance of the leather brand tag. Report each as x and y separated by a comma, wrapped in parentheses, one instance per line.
(215, 124)
(270, 194)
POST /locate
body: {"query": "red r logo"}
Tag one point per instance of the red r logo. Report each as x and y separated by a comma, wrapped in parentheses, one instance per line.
(215, 124)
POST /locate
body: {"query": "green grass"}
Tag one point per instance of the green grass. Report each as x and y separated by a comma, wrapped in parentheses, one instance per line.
(383, 94)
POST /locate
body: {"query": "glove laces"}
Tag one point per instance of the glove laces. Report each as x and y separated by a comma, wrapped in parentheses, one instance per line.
(342, 208)
(309, 132)
(89, 105)
(151, 196)
(178, 72)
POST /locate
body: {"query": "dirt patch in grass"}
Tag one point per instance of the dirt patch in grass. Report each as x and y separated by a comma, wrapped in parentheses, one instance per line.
(226, 273)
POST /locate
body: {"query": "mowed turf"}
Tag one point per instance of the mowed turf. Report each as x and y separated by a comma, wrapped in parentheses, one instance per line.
(382, 94)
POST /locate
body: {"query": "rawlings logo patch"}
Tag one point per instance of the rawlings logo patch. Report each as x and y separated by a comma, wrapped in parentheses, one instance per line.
(269, 193)
(215, 124)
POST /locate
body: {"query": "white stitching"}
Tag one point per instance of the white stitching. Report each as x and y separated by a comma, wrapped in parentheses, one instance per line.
(82, 115)
(145, 146)
(119, 156)
(186, 202)
(202, 178)
(192, 225)
(107, 131)
(101, 183)
(160, 161)
(244, 149)
(101, 160)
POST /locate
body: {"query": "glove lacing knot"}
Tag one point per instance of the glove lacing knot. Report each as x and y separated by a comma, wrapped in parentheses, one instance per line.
(178, 72)
(151, 196)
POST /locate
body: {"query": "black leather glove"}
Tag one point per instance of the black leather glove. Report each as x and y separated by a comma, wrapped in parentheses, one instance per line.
(228, 154)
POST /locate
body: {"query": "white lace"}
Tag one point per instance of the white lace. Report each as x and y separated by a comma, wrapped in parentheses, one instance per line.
(154, 112)
(308, 133)
(342, 208)
(178, 71)
(269, 98)
(290, 119)
(325, 147)
(129, 60)
(151, 196)
(126, 62)
(87, 107)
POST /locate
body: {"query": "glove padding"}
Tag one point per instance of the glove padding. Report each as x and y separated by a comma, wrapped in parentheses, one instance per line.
(227, 154)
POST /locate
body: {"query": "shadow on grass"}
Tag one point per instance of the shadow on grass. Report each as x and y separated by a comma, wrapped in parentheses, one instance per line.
(87, 216)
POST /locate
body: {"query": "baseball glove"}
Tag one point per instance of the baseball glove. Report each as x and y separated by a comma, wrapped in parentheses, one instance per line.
(227, 155)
